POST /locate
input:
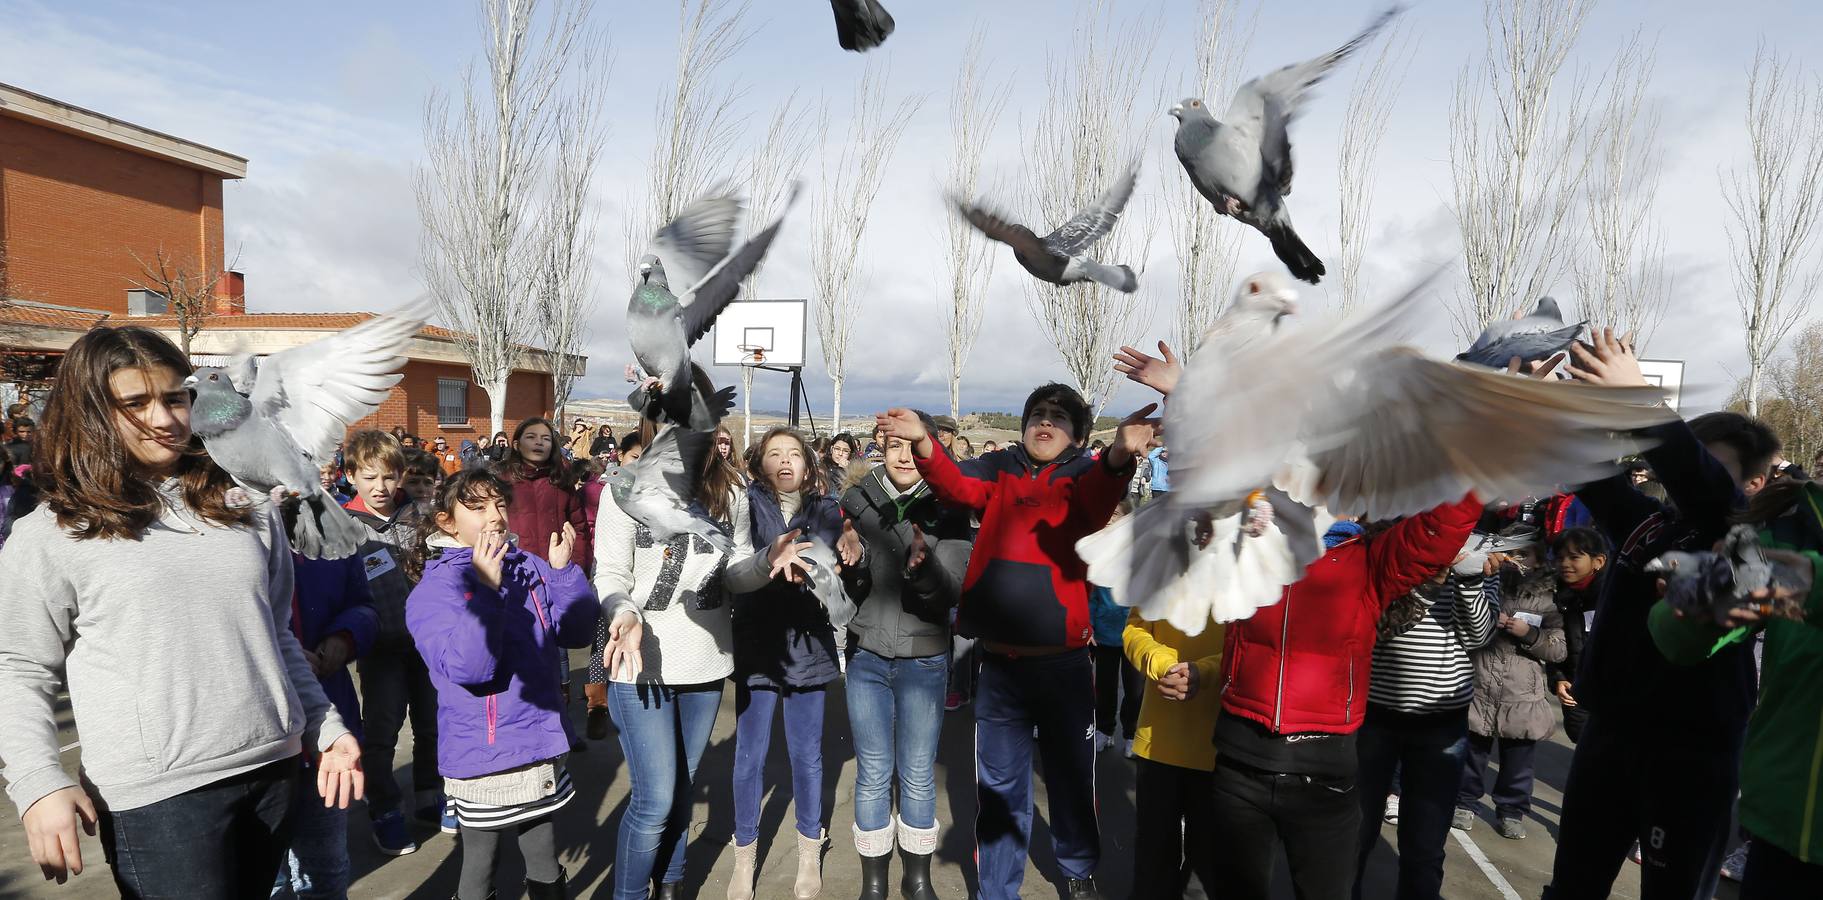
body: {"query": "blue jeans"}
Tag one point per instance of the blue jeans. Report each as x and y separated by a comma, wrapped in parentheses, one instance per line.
(753, 712)
(663, 730)
(1057, 695)
(895, 709)
(316, 865)
(1429, 751)
(221, 841)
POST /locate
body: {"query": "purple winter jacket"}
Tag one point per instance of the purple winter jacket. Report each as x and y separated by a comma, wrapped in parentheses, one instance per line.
(494, 656)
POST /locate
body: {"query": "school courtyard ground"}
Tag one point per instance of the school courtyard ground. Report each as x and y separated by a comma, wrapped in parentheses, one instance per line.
(1480, 864)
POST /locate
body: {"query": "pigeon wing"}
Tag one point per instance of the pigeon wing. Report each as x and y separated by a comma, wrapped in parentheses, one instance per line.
(699, 237)
(1088, 226)
(315, 392)
(706, 298)
(1000, 228)
(1407, 433)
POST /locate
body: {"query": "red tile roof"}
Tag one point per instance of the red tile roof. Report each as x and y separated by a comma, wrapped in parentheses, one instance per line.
(82, 320)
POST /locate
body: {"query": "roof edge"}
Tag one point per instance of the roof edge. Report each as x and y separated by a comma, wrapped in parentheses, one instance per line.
(38, 109)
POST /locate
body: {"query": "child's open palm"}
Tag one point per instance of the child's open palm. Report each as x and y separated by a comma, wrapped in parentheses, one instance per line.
(563, 543)
(490, 558)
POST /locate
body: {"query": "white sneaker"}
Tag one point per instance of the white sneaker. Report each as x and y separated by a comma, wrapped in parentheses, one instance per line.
(1392, 809)
(1103, 741)
(1736, 864)
(1129, 748)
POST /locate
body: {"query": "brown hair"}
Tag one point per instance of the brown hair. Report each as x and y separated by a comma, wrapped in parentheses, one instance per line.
(374, 449)
(467, 487)
(85, 472)
(1773, 501)
(814, 483)
(422, 462)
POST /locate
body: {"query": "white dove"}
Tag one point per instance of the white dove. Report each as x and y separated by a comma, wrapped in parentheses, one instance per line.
(1336, 419)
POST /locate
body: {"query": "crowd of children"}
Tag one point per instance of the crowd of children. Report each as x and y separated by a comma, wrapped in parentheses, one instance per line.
(1382, 685)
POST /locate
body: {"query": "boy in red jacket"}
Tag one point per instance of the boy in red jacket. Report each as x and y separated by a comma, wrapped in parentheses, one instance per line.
(1295, 689)
(1026, 598)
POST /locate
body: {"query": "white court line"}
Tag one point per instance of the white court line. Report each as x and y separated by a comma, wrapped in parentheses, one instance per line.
(1487, 868)
(68, 747)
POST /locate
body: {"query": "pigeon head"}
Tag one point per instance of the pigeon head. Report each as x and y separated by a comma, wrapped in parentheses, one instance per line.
(1547, 307)
(652, 271)
(619, 483)
(219, 406)
(1266, 296)
(1190, 109)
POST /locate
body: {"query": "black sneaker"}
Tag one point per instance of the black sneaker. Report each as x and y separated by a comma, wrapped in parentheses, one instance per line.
(1084, 889)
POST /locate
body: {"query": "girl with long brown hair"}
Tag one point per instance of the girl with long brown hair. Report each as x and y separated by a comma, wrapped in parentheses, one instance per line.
(164, 607)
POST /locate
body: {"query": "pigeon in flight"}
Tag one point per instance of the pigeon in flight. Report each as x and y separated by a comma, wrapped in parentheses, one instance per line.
(861, 25)
(275, 430)
(652, 488)
(1060, 257)
(687, 277)
(1532, 338)
(1382, 431)
(1242, 162)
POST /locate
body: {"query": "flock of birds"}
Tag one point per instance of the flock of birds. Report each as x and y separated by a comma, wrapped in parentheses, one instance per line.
(1274, 431)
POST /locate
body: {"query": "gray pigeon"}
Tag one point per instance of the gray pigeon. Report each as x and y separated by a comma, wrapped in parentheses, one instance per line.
(663, 322)
(861, 25)
(1532, 338)
(1059, 257)
(826, 582)
(652, 488)
(1713, 584)
(278, 435)
(1242, 163)
(1481, 543)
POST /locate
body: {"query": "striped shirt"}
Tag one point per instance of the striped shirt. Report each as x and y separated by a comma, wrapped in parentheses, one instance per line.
(487, 816)
(1426, 667)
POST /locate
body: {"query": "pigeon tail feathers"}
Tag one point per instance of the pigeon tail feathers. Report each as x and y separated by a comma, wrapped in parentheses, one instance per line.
(1297, 257)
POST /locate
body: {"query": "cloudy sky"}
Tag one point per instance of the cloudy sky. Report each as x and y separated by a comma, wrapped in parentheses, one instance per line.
(326, 100)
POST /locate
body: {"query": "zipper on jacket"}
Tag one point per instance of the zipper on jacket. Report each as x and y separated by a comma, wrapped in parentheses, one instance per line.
(1278, 699)
(493, 713)
(1348, 708)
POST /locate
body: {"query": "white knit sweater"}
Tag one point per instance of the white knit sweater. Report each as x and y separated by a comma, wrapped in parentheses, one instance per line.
(675, 588)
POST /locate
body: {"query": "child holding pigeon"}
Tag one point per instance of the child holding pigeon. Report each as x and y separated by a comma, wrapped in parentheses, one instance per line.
(1026, 597)
(492, 620)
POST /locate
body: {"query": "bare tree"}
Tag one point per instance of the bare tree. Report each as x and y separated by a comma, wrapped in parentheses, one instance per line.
(1082, 139)
(478, 193)
(973, 111)
(697, 120)
(1516, 173)
(1207, 248)
(775, 164)
(1797, 381)
(1364, 121)
(566, 298)
(850, 181)
(189, 290)
(1775, 205)
(1622, 283)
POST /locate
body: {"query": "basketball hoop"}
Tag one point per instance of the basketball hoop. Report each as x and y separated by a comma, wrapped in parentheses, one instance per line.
(752, 355)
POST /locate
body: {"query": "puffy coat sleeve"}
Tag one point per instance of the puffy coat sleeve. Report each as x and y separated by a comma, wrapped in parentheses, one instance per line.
(1546, 643)
(1152, 657)
(1413, 550)
(950, 484)
(454, 618)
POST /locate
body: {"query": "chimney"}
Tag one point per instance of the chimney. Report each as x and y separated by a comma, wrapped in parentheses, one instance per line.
(231, 294)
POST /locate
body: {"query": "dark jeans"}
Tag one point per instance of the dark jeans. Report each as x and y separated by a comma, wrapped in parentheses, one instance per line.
(1055, 694)
(1317, 818)
(1773, 874)
(1173, 834)
(221, 841)
(1428, 752)
(1117, 691)
(663, 730)
(393, 683)
(753, 714)
(1512, 786)
(895, 709)
(1670, 792)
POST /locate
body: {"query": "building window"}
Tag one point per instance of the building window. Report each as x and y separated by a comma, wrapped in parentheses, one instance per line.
(452, 401)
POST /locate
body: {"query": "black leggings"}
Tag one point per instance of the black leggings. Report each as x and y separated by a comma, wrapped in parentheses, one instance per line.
(1117, 688)
(481, 856)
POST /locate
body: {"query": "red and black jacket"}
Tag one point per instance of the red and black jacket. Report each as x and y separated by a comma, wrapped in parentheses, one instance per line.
(1025, 584)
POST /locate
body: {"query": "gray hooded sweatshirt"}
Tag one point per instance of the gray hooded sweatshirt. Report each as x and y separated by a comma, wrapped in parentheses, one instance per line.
(176, 649)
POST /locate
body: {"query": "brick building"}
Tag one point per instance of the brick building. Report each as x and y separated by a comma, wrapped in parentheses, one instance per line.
(87, 201)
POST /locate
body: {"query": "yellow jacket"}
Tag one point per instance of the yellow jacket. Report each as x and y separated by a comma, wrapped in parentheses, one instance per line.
(1176, 732)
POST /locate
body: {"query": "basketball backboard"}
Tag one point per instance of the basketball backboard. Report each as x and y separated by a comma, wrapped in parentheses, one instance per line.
(777, 328)
(1666, 374)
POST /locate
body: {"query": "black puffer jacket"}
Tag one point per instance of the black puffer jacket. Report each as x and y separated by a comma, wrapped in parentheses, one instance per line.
(901, 614)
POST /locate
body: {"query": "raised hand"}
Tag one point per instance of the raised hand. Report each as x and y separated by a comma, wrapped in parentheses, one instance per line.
(563, 543)
(50, 831)
(904, 424)
(1135, 434)
(489, 557)
(849, 546)
(783, 556)
(1158, 374)
(624, 636)
(919, 551)
(339, 779)
(1608, 360)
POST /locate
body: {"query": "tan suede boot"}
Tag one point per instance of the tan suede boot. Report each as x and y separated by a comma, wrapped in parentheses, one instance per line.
(810, 867)
(740, 884)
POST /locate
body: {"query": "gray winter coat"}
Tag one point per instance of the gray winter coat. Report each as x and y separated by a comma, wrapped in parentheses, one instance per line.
(900, 614)
(1512, 696)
